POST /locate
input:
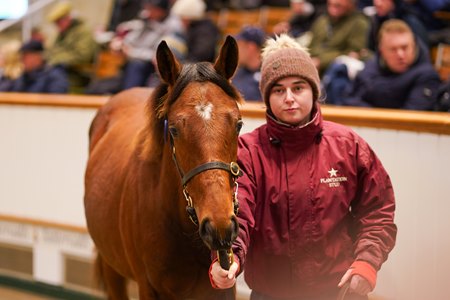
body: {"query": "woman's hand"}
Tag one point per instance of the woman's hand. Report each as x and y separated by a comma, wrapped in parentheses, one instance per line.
(358, 284)
(220, 278)
(362, 278)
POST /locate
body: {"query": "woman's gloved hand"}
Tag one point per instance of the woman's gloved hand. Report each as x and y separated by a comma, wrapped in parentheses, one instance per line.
(223, 279)
(362, 278)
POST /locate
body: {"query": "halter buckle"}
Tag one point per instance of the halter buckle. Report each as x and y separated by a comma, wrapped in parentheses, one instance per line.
(234, 169)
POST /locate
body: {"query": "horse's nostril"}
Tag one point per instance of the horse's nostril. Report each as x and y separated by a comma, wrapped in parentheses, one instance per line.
(206, 228)
(207, 232)
(216, 238)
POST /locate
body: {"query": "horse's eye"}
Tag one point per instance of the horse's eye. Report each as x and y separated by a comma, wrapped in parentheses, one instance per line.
(239, 125)
(173, 131)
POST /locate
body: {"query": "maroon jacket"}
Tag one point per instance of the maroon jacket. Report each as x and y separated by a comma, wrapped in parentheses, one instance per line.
(312, 200)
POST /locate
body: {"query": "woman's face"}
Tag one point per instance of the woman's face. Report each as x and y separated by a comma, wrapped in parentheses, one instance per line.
(291, 100)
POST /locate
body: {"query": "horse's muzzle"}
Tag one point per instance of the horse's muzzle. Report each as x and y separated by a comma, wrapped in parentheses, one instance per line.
(218, 237)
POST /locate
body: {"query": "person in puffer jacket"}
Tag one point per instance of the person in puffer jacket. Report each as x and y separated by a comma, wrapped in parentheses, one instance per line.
(316, 204)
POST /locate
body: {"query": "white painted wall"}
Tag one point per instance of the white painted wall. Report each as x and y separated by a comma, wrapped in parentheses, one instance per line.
(43, 152)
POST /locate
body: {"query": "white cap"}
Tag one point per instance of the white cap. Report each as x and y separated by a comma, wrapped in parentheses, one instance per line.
(189, 9)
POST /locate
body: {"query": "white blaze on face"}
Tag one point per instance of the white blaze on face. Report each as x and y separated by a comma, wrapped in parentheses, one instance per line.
(204, 110)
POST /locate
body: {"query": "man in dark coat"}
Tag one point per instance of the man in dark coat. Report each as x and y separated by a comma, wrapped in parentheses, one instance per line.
(201, 35)
(399, 76)
(38, 76)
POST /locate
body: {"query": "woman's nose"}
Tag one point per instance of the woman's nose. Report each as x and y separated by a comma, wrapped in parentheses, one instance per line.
(289, 95)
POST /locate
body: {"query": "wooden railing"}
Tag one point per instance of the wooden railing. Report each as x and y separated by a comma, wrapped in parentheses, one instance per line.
(418, 121)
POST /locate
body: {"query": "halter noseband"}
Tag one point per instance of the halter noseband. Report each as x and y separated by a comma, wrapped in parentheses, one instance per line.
(232, 168)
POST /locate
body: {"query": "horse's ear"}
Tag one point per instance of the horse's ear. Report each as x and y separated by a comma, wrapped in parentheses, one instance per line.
(227, 61)
(168, 66)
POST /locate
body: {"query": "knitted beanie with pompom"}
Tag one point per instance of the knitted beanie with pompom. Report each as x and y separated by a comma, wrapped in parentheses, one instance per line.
(283, 57)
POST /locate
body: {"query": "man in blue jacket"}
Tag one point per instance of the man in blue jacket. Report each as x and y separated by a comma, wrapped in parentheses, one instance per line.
(248, 74)
(399, 76)
(38, 77)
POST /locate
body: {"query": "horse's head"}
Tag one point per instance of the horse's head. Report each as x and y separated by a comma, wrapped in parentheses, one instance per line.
(198, 107)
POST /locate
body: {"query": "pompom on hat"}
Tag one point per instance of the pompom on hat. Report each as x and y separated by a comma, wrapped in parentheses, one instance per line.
(189, 9)
(283, 57)
(60, 10)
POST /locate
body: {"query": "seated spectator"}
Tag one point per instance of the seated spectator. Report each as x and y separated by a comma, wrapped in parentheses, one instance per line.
(38, 77)
(10, 64)
(341, 31)
(337, 79)
(399, 76)
(74, 48)
(138, 40)
(393, 9)
(201, 35)
(303, 15)
(248, 74)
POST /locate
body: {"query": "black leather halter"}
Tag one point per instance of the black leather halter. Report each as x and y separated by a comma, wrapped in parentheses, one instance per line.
(232, 168)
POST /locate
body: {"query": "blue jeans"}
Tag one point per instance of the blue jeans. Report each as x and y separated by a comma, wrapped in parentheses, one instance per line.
(336, 83)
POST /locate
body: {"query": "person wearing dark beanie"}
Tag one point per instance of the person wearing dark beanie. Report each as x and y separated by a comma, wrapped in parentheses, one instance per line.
(317, 206)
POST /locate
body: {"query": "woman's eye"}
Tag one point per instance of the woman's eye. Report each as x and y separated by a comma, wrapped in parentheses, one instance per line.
(277, 91)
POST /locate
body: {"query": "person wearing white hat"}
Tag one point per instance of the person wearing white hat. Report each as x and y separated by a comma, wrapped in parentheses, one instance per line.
(201, 34)
(141, 39)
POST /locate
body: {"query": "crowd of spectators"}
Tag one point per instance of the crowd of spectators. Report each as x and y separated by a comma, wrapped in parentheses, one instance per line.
(359, 63)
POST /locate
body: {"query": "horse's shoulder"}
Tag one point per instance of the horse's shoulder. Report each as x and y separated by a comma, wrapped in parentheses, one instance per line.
(126, 107)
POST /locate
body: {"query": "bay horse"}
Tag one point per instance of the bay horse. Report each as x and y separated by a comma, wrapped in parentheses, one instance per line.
(160, 189)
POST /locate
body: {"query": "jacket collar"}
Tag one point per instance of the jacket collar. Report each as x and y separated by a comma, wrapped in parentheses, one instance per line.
(300, 136)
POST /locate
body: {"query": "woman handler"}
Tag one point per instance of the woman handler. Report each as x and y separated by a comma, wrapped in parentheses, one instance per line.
(316, 205)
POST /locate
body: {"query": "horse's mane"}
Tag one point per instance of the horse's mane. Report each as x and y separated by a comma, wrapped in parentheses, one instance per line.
(163, 97)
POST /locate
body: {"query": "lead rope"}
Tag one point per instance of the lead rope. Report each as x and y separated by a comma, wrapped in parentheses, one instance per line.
(343, 291)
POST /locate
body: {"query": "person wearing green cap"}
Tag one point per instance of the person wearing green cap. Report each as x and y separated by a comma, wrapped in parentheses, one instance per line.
(74, 47)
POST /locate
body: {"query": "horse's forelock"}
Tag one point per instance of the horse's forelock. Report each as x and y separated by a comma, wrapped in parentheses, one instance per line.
(164, 96)
(201, 72)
